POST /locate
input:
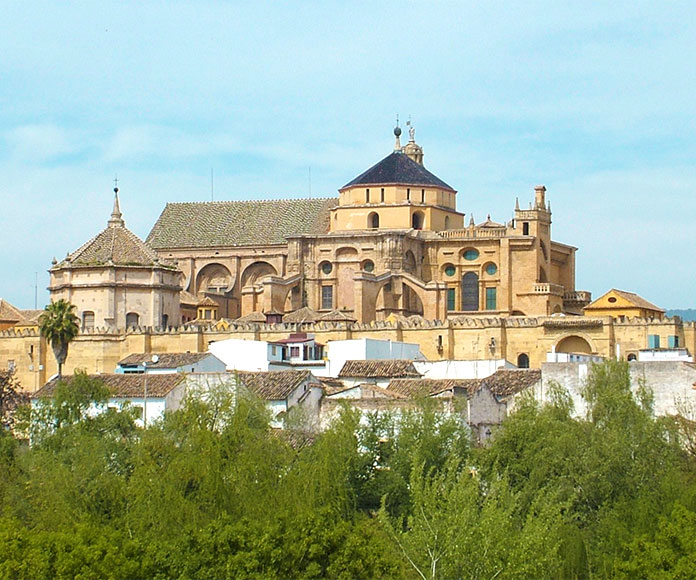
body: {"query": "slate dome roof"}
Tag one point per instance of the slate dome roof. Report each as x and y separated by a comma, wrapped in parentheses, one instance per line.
(398, 168)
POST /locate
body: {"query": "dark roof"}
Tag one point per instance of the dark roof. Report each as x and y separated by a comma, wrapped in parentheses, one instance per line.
(502, 383)
(124, 386)
(379, 369)
(239, 223)
(429, 387)
(398, 168)
(115, 245)
(505, 382)
(273, 385)
(166, 360)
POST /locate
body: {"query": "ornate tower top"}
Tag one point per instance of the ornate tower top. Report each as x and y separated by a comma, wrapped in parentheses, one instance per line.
(116, 219)
(397, 134)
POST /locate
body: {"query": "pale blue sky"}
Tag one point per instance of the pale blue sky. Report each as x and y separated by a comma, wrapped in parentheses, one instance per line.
(596, 101)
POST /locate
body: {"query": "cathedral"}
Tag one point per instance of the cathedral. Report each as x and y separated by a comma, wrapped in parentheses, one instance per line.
(392, 244)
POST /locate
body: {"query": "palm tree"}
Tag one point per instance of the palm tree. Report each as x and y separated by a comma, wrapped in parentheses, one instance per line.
(59, 326)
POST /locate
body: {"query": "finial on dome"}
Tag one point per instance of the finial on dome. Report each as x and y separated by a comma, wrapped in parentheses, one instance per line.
(397, 134)
(411, 131)
(116, 219)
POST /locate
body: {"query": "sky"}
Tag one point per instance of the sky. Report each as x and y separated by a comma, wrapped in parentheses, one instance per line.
(294, 99)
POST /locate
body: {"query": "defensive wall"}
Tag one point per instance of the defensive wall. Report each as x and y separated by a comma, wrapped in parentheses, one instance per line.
(461, 338)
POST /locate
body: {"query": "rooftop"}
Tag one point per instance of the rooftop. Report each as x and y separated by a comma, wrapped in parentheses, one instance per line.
(123, 386)
(398, 168)
(273, 385)
(379, 369)
(165, 360)
(239, 223)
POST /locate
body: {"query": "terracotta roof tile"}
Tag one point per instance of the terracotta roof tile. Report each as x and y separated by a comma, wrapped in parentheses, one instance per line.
(273, 385)
(505, 382)
(165, 360)
(252, 317)
(379, 369)
(239, 223)
(8, 312)
(304, 314)
(430, 387)
(124, 386)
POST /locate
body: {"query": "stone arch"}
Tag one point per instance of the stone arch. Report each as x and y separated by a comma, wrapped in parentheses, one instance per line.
(256, 271)
(373, 220)
(410, 264)
(411, 300)
(523, 360)
(418, 220)
(574, 344)
(214, 278)
(557, 309)
(517, 313)
(132, 319)
(346, 254)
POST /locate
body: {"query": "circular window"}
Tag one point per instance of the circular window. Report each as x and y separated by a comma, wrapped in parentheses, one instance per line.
(368, 266)
(450, 270)
(326, 267)
(491, 269)
(612, 299)
(471, 254)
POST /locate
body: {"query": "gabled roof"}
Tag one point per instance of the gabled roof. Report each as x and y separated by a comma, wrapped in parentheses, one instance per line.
(304, 314)
(398, 168)
(239, 223)
(379, 369)
(337, 316)
(30, 317)
(273, 385)
(123, 386)
(252, 317)
(429, 387)
(8, 312)
(631, 297)
(502, 383)
(165, 360)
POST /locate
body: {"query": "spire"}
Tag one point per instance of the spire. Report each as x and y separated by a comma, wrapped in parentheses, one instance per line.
(116, 220)
(517, 204)
(397, 134)
(471, 221)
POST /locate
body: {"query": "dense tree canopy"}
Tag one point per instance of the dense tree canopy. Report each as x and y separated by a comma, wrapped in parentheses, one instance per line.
(211, 492)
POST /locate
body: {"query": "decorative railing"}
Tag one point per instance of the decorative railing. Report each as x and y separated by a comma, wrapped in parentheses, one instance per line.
(548, 288)
(475, 233)
(578, 296)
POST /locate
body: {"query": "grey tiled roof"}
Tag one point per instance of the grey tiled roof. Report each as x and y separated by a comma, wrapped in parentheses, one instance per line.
(430, 387)
(398, 168)
(165, 360)
(379, 369)
(239, 223)
(115, 245)
(273, 385)
(124, 386)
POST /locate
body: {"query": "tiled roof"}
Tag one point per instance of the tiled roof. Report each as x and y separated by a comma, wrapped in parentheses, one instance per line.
(165, 360)
(505, 382)
(337, 316)
(502, 383)
(207, 301)
(490, 224)
(429, 387)
(398, 168)
(239, 223)
(115, 245)
(30, 317)
(304, 314)
(252, 317)
(124, 386)
(379, 369)
(8, 312)
(632, 297)
(273, 385)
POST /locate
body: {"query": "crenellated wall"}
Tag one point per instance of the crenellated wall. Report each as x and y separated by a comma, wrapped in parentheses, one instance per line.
(461, 338)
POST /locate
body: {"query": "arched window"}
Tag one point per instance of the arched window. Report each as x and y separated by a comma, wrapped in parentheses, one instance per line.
(132, 319)
(373, 221)
(470, 291)
(523, 361)
(417, 220)
(381, 195)
(165, 321)
(87, 320)
(447, 222)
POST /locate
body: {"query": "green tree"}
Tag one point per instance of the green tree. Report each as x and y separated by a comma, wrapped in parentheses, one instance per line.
(59, 326)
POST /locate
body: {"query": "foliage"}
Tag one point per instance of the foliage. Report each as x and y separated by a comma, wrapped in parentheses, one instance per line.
(211, 491)
(59, 326)
(11, 398)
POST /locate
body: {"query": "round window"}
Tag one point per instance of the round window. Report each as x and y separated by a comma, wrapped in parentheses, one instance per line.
(368, 266)
(491, 269)
(611, 299)
(326, 267)
(450, 270)
(471, 254)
